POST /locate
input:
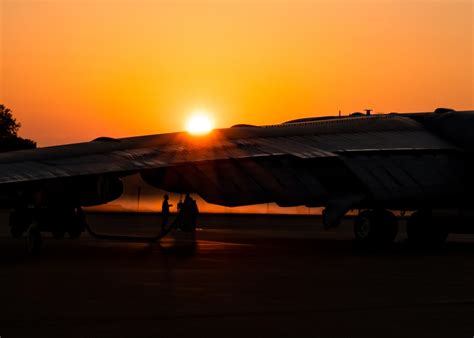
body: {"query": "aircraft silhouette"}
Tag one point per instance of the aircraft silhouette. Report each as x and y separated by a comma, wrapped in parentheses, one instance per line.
(419, 162)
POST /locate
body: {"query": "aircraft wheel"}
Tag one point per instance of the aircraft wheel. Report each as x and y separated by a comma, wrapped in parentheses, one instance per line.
(363, 227)
(375, 228)
(422, 230)
(16, 231)
(33, 240)
(77, 226)
(74, 233)
(58, 233)
(19, 223)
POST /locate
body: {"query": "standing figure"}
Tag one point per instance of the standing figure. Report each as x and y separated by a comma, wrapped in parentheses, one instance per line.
(165, 212)
(186, 213)
(194, 214)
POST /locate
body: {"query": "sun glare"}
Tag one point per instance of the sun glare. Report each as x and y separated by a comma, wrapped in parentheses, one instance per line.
(199, 123)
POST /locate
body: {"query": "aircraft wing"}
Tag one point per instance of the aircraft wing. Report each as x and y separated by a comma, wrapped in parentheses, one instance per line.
(249, 164)
(123, 156)
(126, 156)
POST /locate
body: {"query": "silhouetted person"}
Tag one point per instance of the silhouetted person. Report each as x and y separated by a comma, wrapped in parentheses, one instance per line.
(194, 214)
(186, 211)
(165, 211)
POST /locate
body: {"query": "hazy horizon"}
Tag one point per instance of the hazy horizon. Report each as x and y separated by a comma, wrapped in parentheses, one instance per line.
(74, 70)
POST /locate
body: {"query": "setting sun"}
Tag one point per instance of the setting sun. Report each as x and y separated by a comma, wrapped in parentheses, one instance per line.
(199, 123)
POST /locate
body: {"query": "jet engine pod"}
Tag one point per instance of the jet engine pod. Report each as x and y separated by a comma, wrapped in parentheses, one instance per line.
(173, 179)
(99, 190)
(454, 126)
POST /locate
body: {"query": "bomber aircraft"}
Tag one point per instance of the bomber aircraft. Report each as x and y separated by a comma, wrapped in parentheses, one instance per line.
(377, 164)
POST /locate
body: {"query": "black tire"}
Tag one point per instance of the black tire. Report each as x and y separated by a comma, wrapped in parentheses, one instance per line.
(417, 226)
(77, 225)
(74, 233)
(375, 228)
(423, 230)
(33, 240)
(58, 233)
(19, 222)
(363, 227)
(16, 231)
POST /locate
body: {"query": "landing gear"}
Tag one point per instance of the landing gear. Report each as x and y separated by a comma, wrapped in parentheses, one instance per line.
(58, 221)
(77, 225)
(58, 233)
(74, 233)
(20, 220)
(375, 228)
(424, 230)
(61, 220)
(16, 232)
(33, 240)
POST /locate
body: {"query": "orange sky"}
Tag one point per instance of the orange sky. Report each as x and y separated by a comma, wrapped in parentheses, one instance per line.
(72, 70)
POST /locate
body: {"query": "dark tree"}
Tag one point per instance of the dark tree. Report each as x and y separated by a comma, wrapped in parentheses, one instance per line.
(9, 139)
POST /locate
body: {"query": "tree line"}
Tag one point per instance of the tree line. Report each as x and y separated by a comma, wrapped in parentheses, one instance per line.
(9, 127)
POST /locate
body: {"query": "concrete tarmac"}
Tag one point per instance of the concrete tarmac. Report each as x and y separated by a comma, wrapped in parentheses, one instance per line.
(249, 281)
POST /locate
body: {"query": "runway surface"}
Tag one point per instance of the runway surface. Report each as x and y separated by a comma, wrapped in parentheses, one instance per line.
(249, 281)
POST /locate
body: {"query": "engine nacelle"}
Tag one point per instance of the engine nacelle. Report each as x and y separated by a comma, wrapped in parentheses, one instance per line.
(100, 190)
(456, 127)
(84, 191)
